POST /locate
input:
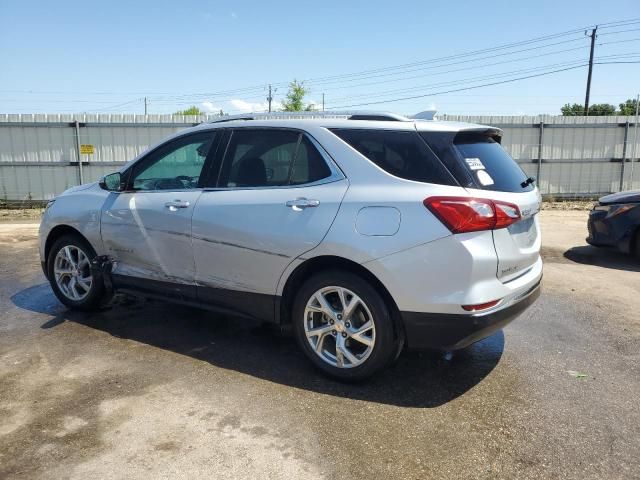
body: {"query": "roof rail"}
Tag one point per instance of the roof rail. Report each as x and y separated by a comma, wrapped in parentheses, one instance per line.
(355, 115)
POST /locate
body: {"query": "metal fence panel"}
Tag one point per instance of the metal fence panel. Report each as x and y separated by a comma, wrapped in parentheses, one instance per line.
(580, 156)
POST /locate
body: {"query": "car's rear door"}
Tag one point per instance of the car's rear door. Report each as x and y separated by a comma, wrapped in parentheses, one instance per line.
(276, 195)
(487, 171)
(146, 229)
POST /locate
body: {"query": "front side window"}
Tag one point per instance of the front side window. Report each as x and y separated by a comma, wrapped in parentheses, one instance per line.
(398, 152)
(271, 158)
(176, 166)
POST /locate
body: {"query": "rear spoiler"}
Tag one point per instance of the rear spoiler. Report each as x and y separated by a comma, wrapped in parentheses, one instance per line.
(492, 132)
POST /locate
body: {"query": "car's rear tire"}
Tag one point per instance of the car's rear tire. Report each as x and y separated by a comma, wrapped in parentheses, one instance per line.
(343, 325)
(73, 280)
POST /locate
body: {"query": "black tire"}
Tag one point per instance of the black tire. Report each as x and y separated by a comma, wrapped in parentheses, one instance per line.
(386, 344)
(96, 293)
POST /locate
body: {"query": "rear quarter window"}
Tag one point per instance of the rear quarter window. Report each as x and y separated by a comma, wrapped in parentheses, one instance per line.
(401, 153)
(478, 161)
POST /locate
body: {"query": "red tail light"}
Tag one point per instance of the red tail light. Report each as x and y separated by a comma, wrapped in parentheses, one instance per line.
(464, 214)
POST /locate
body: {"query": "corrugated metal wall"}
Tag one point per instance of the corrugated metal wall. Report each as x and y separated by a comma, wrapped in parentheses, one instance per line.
(39, 159)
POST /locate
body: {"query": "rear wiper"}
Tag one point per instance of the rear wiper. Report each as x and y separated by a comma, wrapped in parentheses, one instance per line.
(527, 182)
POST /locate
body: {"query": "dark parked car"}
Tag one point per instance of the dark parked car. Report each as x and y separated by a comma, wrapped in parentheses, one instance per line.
(615, 222)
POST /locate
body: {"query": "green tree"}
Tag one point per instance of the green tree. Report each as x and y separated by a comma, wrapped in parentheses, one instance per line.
(192, 110)
(295, 98)
(600, 109)
(628, 107)
(597, 109)
(572, 109)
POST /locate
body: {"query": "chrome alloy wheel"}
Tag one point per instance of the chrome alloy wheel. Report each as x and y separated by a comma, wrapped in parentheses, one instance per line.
(72, 273)
(339, 327)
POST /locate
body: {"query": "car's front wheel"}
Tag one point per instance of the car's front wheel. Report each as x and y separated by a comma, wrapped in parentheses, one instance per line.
(72, 279)
(343, 325)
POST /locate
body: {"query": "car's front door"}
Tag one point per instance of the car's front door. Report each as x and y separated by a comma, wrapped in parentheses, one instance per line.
(146, 229)
(276, 197)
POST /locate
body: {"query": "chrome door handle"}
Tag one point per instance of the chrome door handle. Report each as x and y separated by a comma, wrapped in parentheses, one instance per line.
(176, 204)
(302, 203)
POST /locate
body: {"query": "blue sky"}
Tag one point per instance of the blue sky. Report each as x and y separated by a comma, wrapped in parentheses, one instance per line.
(76, 56)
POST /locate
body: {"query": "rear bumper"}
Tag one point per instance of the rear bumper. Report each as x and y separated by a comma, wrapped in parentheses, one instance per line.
(453, 331)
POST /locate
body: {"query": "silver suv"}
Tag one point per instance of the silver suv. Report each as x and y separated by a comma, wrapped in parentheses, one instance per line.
(365, 233)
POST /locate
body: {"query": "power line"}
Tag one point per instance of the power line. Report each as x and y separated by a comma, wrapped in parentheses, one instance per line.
(456, 70)
(466, 80)
(118, 105)
(621, 31)
(615, 24)
(477, 86)
(621, 41)
(413, 97)
(343, 81)
(344, 76)
(462, 62)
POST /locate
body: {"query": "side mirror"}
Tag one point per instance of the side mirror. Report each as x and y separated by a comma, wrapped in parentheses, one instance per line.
(112, 182)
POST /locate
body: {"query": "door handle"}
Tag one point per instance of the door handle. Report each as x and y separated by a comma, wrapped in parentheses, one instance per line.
(176, 204)
(301, 203)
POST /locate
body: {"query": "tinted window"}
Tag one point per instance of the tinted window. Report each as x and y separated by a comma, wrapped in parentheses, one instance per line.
(478, 161)
(309, 166)
(268, 158)
(174, 166)
(400, 153)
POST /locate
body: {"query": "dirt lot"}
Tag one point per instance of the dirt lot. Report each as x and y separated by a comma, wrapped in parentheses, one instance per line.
(147, 389)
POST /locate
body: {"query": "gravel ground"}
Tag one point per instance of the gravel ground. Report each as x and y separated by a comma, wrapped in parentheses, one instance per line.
(151, 390)
(20, 214)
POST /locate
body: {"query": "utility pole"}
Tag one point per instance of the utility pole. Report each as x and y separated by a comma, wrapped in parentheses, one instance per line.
(270, 98)
(145, 105)
(323, 102)
(593, 44)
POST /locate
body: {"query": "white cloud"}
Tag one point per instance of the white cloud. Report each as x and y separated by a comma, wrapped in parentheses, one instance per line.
(243, 106)
(209, 107)
(316, 106)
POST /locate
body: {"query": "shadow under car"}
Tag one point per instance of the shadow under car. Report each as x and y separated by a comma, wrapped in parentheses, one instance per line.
(416, 379)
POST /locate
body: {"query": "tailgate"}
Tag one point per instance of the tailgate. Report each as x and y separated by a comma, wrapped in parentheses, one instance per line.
(480, 164)
(517, 246)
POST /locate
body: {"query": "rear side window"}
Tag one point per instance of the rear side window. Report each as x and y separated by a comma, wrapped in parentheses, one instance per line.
(270, 158)
(478, 161)
(309, 166)
(401, 153)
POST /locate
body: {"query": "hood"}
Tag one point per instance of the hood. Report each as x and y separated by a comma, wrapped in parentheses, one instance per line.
(632, 196)
(78, 188)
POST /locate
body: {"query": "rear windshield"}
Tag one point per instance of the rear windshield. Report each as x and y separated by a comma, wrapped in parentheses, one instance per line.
(478, 161)
(401, 153)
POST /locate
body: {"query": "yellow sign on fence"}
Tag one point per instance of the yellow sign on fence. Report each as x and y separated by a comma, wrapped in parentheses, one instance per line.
(86, 149)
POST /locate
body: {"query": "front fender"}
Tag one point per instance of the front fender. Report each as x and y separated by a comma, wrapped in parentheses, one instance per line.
(78, 209)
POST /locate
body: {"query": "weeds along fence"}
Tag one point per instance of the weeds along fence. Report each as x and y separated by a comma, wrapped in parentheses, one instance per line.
(42, 155)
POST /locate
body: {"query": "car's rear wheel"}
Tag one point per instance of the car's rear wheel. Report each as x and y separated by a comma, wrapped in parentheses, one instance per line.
(73, 280)
(343, 325)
